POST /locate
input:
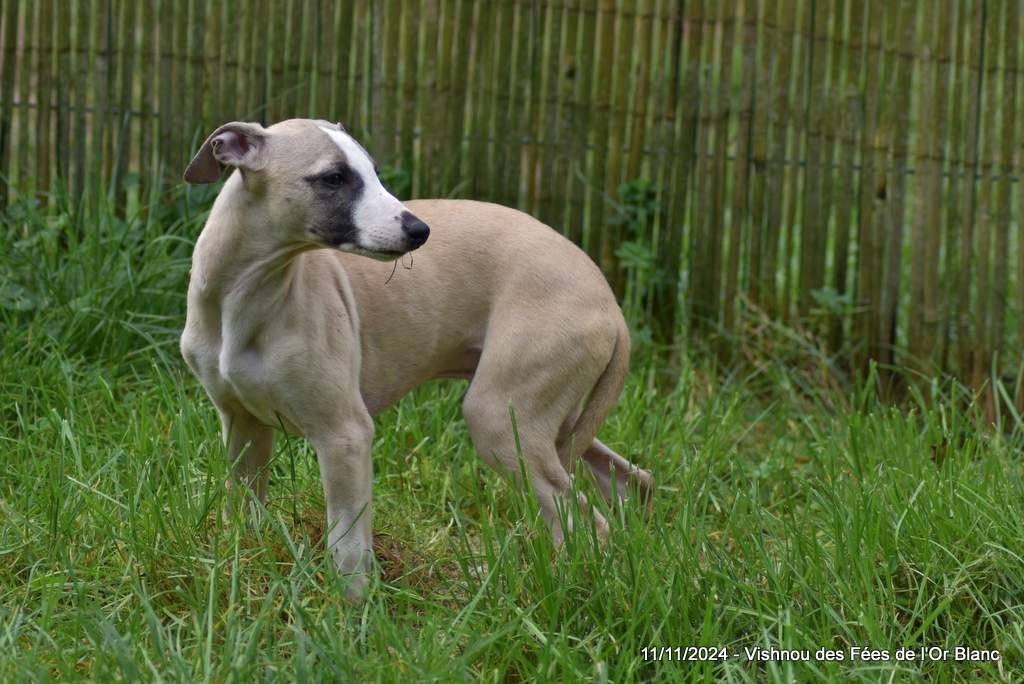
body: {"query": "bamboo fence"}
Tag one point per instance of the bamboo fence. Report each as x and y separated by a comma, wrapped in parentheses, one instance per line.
(849, 165)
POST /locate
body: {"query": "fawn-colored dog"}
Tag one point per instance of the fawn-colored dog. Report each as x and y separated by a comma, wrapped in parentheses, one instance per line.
(291, 326)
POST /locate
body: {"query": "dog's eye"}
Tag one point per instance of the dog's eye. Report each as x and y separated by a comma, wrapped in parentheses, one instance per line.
(334, 179)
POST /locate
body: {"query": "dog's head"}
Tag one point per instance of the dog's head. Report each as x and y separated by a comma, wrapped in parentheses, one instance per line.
(315, 182)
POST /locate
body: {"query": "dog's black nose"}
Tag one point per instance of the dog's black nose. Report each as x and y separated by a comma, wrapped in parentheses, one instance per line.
(416, 231)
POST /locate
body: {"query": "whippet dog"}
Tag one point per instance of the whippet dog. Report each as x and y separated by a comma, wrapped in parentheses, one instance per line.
(290, 326)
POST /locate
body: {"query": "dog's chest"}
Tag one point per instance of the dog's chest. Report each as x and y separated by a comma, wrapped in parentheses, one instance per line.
(236, 376)
(246, 376)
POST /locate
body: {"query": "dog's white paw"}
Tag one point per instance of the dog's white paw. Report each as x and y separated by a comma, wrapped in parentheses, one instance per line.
(357, 585)
(353, 563)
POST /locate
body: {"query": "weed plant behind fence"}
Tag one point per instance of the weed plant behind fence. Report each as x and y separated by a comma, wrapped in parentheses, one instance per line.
(847, 166)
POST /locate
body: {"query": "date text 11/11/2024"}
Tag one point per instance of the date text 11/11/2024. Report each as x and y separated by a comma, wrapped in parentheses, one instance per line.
(853, 653)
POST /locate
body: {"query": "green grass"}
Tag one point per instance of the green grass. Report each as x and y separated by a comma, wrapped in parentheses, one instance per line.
(789, 514)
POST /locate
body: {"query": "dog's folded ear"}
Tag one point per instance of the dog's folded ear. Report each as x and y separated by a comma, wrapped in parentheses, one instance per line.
(236, 144)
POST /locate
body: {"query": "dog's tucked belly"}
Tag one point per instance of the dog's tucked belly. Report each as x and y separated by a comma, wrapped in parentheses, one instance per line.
(382, 388)
(461, 367)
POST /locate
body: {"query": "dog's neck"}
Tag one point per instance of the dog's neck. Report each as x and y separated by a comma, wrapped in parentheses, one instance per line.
(238, 257)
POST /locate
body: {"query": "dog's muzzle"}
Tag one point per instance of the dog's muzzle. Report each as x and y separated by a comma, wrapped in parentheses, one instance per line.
(416, 231)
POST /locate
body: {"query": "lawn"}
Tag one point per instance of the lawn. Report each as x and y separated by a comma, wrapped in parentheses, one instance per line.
(790, 514)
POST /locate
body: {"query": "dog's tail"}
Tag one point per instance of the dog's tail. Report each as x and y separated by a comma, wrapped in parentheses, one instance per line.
(603, 396)
(605, 464)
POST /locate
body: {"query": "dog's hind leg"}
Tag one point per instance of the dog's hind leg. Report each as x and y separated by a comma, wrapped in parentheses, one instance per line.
(486, 410)
(494, 439)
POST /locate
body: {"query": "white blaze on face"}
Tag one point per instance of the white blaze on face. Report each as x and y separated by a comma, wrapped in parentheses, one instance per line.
(377, 213)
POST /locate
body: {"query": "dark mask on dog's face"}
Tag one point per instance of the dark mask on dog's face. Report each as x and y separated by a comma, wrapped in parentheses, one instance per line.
(353, 211)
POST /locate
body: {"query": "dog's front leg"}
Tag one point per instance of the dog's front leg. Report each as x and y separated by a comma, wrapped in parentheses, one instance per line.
(249, 444)
(347, 474)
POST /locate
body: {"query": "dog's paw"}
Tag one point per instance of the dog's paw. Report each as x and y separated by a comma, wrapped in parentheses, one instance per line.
(357, 586)
(354, 564)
